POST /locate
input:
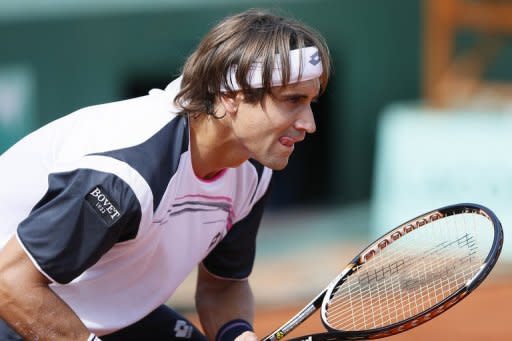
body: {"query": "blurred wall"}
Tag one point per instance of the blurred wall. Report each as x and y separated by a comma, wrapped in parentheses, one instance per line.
(77, 60)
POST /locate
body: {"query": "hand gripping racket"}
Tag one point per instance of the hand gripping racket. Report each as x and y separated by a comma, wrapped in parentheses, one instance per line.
(408, 276)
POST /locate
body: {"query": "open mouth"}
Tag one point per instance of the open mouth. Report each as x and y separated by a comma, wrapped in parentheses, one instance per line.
(287, 141)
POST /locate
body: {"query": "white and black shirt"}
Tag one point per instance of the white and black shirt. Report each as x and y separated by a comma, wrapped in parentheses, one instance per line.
(106, 204)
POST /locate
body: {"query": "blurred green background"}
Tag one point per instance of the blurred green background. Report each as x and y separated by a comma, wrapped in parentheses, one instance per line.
(80, 53)
(357, 176)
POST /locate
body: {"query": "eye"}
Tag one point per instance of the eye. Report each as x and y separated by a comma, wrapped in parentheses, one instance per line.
(294, 99)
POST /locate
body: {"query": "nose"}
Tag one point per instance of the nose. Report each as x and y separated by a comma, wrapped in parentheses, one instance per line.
(306, 121)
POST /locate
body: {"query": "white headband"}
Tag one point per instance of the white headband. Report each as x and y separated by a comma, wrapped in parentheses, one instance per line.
(311, 68)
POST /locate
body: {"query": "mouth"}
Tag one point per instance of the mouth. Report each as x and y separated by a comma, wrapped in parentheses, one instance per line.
(289, 142)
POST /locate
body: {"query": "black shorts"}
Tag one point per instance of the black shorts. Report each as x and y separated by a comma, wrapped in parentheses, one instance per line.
(162, 324)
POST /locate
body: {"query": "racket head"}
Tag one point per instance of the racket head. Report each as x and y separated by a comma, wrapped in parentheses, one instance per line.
(404, 279)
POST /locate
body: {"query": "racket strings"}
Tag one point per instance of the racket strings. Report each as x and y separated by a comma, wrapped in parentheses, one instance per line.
(409, 276)
(377, 295)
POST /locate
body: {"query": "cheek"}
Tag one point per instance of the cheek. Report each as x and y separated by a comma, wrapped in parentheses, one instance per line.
(254, 121)
(249, 126)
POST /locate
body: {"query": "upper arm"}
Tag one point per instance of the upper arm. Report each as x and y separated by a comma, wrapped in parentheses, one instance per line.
(16, 268)
(212, 288)
(81, 216)
(206, 281)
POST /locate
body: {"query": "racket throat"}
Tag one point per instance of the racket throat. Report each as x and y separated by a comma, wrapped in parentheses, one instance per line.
(300, 317)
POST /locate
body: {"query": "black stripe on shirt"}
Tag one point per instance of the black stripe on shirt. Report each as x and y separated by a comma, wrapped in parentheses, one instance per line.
(157, 158)
(259, 171)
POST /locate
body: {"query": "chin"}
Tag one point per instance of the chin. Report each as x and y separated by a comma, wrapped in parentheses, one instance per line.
(276, 165)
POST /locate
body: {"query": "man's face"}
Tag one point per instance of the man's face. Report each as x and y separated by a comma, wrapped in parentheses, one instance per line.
(269, 131)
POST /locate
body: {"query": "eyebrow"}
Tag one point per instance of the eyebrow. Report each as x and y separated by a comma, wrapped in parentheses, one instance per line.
(299, 95)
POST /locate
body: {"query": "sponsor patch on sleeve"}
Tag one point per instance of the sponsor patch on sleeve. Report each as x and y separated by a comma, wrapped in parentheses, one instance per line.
(103, 205)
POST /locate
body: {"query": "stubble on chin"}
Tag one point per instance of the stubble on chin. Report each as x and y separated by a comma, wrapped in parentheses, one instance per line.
(276, 165)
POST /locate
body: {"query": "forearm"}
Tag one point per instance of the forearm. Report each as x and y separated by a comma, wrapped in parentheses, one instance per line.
(38, 314)
(29, 306)
(219, 302)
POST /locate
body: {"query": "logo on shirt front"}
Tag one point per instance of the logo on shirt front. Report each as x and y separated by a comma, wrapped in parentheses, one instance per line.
(182, 329)
(105, 207)
(215, 241)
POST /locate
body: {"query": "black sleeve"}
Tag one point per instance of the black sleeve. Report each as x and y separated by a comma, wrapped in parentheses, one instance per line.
(234, 256)
(82, 215)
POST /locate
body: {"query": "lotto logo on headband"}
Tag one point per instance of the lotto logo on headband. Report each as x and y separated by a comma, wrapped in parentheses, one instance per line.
(305, 64)
(315, 58)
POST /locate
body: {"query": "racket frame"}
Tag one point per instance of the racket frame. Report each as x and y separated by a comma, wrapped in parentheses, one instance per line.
(322, 300)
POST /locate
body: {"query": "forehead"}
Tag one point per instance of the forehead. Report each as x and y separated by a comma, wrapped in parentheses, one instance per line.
(309, 87)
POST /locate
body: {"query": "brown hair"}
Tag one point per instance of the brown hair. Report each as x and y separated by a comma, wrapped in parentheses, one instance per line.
(241, 40)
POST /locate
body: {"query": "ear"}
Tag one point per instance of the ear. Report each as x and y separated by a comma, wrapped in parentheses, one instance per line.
(230, 103)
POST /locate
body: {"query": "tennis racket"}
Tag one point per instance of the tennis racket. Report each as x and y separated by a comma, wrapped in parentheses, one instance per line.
(407, 277)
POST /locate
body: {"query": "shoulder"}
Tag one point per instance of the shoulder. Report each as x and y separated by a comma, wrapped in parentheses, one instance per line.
(139, 138)
(157, 158)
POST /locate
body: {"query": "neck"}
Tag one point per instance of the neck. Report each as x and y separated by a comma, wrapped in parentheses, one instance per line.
(212, 146)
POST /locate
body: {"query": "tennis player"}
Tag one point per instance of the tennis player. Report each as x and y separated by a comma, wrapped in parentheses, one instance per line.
(105, 211)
